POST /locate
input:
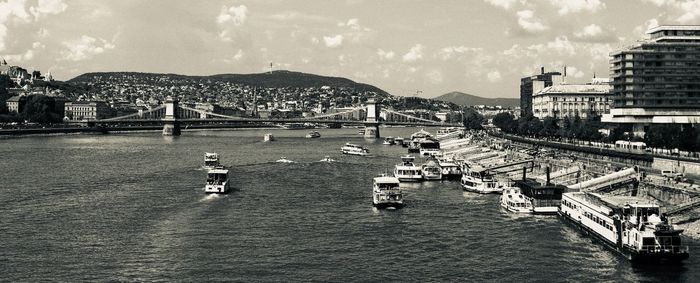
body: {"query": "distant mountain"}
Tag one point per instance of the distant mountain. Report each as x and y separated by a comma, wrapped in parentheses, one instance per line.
(466, 99)
(276, 79)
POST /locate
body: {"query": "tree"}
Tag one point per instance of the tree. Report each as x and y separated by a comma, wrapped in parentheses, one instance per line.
(549, 127)
(472, 119)
(40, 109)
(504, 121)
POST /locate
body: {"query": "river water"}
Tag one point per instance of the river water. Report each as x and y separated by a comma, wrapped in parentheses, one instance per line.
(130, 207)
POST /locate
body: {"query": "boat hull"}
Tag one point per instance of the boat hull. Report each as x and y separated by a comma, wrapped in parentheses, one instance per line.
(410, 179)
(631, 255)
(516, 210)
(383, 205)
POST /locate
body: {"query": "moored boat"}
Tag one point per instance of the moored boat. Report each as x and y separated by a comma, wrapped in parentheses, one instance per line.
(388, 141)
(217, 181)
(513, 200)
(431, 170)
(354, 149)
(450, 169)
(386, 192)
(632, 226)
(478, 179)
(407, 171)
(268, 138)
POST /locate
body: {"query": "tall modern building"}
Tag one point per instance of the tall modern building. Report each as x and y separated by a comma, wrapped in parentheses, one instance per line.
(657, 81)
(533, 84)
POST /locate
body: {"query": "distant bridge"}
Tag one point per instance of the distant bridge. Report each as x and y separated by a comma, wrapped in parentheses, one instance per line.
(171, 116)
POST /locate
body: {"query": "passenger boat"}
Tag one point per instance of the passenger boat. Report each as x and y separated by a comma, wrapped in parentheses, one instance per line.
(312, 135)
(450, 169)
(431, 170)
(632, 226)
(398, 141)
(479, 180)
(211, 160)
(361, 131)
(420, 135)
(354, 149)
(449, 133)
(406, 171)
(268, 138)
(217, 181)
(388, 141)
(513, 200)
(429, 146)
(386, 192)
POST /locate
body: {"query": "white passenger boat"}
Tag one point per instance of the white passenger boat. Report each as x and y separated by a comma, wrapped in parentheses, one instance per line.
(217, 181)
(429, 146)
(406, 171)
(211, 160)
(478, 179)
(449, 133)
(354, 149)
(313, 135)
(514, 201)
(388, 141)
(386, 192)
(632, 226)
(399, 141)
(268, 138)
(420, 135)
(431, 170)
(449, 168)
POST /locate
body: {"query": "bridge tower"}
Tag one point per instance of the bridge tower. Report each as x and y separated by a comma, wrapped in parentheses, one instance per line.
(171, 125)
(372, 123)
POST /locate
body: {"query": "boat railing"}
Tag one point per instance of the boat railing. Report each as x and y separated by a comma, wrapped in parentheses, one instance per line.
(664, 249)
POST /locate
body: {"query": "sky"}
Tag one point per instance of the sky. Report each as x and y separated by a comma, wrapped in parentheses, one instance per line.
(406, 47)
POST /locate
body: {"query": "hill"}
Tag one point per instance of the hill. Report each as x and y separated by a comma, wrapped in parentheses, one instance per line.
(276, 79)
(466, 99)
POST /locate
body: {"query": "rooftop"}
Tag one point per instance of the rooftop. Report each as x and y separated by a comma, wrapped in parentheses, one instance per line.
(673, 27)
(576, 88)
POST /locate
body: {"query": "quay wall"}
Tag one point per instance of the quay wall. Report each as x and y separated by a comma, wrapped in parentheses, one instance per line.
(678, 165)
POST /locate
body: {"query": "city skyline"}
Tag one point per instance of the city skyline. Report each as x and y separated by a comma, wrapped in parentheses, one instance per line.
(479, 47)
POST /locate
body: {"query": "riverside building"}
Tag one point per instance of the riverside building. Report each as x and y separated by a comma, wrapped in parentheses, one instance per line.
(533, 84)
(563, 100)
(657, 81)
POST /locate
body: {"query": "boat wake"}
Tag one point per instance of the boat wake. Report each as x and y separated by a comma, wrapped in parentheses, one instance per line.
(211, 197)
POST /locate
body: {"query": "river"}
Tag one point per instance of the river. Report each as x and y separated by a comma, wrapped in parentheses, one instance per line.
(130, 207)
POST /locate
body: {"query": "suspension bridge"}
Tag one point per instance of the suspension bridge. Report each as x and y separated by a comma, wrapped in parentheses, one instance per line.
(172, 116)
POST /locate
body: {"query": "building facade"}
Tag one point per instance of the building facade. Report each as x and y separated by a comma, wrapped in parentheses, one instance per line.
(16, 103)
(533, 84)
(87, 110)
(657, 81)
(569, 100)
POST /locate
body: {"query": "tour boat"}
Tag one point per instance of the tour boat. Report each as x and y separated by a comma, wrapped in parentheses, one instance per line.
(313, 134)
(268, 138)
(450, 169)
(431, 170)
(478, 179)
(361, 131)
(354, 149)
(386, 192)
(327, 159)
(513, 200)
(429, 146)
(449, 133)
(217, 181)
(632, 226)
(420, 135)
(398, 141)
(406, 171)
(211, 160)
(388, 141)
(284, 160)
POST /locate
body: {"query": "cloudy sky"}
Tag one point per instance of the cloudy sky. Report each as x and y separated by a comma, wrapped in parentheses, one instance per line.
(406, 47)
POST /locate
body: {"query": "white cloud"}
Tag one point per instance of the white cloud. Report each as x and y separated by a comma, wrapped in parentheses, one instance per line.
(238, 55)
(591, 30)
(333, 41)
(686, 12)
(505, 4)
(434, 76)
(494, 76)
(45, 7)
(233, 15)
(450, 52)
(572, 71)
(560, 45)
(353, 23)
(84, 48)
(414, 54)
(527, 21)
(385, 55)
(574, 6)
